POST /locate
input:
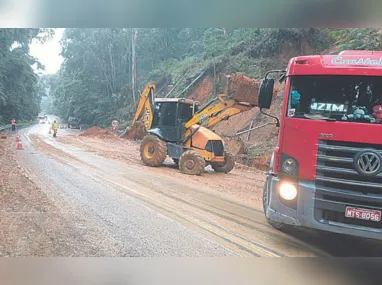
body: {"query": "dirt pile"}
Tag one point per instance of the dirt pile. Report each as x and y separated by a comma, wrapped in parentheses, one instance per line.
(203, 90)
(242, 88)
(100, 133)
(252, 149)
(260, 143)
(261, 162)
(234, 145)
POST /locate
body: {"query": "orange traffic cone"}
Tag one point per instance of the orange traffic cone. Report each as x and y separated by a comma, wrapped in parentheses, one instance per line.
(19, 145)
(18, 138)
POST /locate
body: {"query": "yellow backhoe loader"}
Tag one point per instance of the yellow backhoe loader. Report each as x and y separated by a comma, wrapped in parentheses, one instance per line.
(177, 128)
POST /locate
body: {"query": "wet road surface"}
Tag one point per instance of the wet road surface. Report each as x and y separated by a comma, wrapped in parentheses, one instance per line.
(138, 211)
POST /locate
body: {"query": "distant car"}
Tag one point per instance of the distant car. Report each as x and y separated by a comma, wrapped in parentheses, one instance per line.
(73, 123)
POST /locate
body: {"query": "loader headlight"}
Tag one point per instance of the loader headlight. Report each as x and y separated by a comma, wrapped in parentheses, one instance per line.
(288, 191)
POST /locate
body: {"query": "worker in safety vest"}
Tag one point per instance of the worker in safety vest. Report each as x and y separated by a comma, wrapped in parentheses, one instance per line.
(13, 122)
(55, 128)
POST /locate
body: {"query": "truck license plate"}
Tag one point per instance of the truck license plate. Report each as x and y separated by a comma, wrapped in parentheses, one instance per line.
(363, 214)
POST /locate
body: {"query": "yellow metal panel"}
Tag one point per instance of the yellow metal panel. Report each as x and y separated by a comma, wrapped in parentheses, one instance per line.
(202, 136)
(209, 156)
(144, 104)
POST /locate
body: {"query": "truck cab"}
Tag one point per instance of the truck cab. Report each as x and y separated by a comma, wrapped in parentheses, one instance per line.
(326, 170)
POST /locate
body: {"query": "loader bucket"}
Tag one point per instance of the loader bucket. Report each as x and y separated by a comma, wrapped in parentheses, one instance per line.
(242, 89)
(136, 132)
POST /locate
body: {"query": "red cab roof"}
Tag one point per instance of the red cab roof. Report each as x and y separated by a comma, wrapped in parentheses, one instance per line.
(349, 62)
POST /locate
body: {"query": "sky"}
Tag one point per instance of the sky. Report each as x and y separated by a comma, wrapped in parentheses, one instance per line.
(48, 53)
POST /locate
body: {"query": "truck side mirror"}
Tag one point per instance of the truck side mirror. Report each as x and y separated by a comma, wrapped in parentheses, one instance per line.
(266, 93)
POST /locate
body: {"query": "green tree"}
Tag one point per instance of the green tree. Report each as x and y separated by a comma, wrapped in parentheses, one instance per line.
(94, 82)
(19, 95)
(358, 39)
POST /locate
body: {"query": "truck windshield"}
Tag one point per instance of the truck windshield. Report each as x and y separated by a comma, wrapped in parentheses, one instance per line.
(336, 98)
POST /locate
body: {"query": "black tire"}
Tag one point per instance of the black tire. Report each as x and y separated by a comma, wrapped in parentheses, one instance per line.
(153, 151)
(227, 166)
(274, 224)
(191, 163)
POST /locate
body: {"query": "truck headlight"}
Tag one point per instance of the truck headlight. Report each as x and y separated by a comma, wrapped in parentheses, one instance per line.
(290, 165)
(288, 191)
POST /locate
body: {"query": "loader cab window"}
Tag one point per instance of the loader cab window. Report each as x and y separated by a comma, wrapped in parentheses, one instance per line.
(167, 114)
(173, 113)
(184, 112)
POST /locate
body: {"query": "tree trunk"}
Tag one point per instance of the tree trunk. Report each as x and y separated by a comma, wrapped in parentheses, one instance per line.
(214, 78)
(133, 69)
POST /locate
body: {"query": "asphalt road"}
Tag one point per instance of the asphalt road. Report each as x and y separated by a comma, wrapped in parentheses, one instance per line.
(136, 211)
(126, 226)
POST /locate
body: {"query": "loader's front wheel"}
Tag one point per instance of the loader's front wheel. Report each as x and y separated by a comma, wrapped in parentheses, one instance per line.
(191, 163)
(227, 165)
(153, 151)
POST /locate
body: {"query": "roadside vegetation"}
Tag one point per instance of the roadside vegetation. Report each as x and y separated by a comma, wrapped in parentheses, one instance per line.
(20, 89)
(94, 83)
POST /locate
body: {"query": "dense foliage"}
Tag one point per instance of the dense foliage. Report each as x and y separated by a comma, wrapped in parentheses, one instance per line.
(94, 83)
(358, 39)
(20, 92)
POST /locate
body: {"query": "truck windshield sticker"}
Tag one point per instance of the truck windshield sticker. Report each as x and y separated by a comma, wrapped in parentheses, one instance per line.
(291, 112)
(328, 107)
(338, 60)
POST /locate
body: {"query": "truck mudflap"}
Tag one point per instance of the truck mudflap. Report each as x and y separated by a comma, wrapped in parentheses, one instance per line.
(304, 216)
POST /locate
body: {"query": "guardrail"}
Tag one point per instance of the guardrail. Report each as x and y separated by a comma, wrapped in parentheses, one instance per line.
(18, 127)
(4, 128)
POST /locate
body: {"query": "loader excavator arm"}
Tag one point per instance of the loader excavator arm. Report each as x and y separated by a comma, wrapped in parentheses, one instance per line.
(145, 106)
(217, 110)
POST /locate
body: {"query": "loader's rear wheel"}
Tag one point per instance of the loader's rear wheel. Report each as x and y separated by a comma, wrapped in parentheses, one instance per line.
(227, 165)
(191, 163)
(153, 151)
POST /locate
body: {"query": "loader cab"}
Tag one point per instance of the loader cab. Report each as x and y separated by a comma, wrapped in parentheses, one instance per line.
(170, 116)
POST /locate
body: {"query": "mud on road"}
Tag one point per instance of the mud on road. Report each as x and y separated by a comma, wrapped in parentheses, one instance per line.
(105, 202)
(244, 184)
(215, 213)
(232, 202)
(31, 224)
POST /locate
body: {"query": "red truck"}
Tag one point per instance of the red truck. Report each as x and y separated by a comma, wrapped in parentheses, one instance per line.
(326, 170)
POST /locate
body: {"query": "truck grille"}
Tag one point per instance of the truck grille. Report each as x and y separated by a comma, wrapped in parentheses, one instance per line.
(338, 184)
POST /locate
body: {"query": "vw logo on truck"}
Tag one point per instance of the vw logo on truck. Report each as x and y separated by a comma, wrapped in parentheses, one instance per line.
(368, 162)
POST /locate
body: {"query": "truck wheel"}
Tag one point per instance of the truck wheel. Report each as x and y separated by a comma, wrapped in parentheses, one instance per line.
(276, 225)
(153, 151)
(227, 165)
(191, 163)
